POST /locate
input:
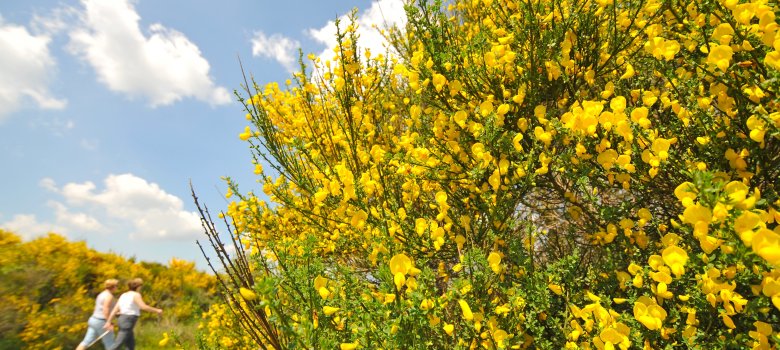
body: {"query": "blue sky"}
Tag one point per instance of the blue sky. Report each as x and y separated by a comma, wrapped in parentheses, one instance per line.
(108, 108)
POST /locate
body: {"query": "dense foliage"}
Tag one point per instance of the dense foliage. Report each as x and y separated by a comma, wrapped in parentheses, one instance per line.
(545, 174)
(49, 288)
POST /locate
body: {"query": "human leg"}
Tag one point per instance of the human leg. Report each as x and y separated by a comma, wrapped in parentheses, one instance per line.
(125, 335)
(130, 343)
(108, 339)
(92, 333)
(119, 340)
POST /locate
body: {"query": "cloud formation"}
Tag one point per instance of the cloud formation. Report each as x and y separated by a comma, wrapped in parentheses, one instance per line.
(163, 68)
(382, 14)
(152, 212)
(277, 47)
(25, 70)
(27, 227)
(127, 205)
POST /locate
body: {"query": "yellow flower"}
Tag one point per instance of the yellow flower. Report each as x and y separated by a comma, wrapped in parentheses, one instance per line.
(400, 263)
(323, 292)
(320, 282)
(485, 108)
(329, 310)
(502, 309)
(685, 190)
(661, 146)
(612, 336)
(555, 288)
(359, 219)
(164, 341)
(399, 279)
(426, 304)
(460, 118)
(650, 314)
(542, 135)
(629, 72)
(441, 197)
(495, 180)
(720, 56)
(246, 134)
(697, 213)
(607, 158)
(745, 224)
(766, 244)
(772, 59)
(728, 321)
(494, 260)
(464, 307)
(723, 33)
(499, 336)
(349, 346)
(247, 294)
(617, 104)
(757, 128)
(709, 244)
(675, 258)
(439, 81)
(502, 109)
(448, 328)
(662, 48)
(516, 142)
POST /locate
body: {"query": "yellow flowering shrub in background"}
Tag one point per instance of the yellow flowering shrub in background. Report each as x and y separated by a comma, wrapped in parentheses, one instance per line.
(517, 174)
(49, 285)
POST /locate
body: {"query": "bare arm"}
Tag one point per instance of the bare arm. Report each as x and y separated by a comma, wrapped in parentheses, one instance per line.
(113, 313)
(142, 305)
(107, 307)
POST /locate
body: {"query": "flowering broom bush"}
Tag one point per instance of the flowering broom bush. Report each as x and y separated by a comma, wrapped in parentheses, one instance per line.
(517, 174)
(49, 286)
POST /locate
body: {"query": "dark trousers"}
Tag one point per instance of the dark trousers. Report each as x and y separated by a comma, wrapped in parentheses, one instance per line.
(125, 335)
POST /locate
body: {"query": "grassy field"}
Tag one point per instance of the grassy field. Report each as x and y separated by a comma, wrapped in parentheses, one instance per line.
(149, 333)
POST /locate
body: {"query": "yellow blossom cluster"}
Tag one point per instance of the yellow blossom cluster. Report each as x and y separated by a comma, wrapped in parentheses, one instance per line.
(50, 284)
(522, 174)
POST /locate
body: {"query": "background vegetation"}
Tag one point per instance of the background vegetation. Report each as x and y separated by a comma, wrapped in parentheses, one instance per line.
(50, 284)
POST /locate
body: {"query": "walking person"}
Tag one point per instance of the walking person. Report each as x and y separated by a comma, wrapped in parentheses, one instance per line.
(103, 305)
(128, 308)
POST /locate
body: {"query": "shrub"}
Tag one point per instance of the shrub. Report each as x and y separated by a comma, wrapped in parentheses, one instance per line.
(546, 174)
(49, 286)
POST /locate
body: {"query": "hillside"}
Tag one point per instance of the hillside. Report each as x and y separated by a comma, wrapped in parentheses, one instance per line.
(49, 285)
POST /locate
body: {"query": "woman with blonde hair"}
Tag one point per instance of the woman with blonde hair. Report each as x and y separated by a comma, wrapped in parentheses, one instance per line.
(103, 305)
(128, 307)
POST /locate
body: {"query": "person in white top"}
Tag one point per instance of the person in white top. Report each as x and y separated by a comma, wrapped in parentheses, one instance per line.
(128, 307)
(103, 304)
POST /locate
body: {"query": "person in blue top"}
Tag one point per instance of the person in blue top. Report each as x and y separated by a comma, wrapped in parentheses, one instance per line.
(103, 305)
(128, 307)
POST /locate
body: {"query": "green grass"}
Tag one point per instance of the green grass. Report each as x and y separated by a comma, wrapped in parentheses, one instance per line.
(149, 332)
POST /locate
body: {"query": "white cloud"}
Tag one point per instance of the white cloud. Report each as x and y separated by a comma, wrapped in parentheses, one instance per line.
(27, 226)
(382, 14)
(162, 68)
(127, 206)
(55, 21)
(48, 184)
(127, 199)
(25, 70)
(277, 47)
(79, 222)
